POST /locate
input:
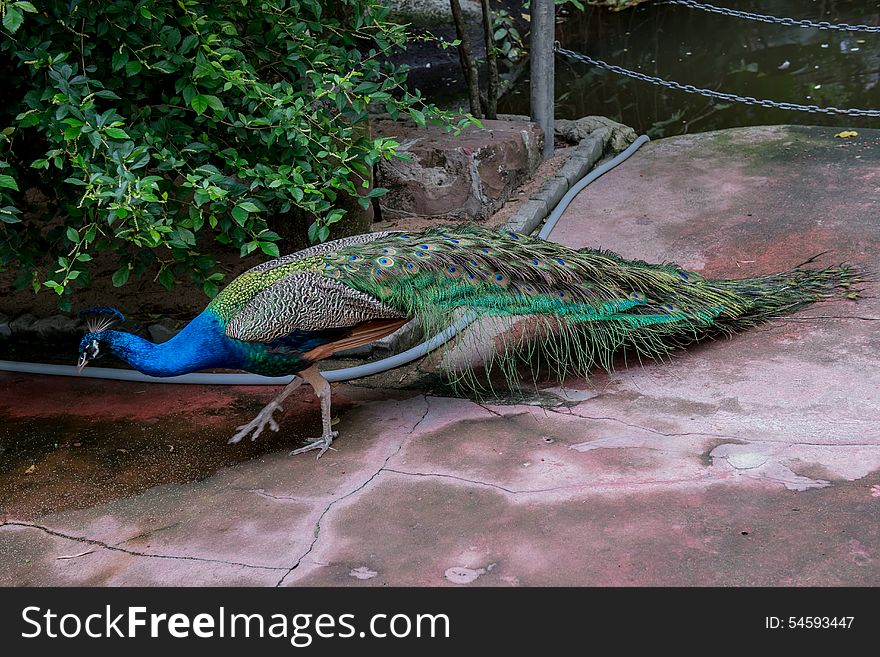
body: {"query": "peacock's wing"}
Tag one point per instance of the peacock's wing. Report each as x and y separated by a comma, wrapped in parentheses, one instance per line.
(235, 297)
(312, 314)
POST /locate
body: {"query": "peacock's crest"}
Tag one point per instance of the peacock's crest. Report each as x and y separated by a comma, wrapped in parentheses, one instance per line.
(101, 318)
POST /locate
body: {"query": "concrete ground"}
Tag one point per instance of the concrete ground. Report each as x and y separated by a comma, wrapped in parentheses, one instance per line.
(749, 461)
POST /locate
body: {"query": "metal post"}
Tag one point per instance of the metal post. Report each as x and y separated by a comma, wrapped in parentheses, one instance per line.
(543, 25)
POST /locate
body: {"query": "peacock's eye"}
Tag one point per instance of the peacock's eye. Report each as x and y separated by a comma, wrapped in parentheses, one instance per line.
(92, 349)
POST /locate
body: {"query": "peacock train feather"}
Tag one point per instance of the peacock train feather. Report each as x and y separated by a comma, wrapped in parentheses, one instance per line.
(584, 306)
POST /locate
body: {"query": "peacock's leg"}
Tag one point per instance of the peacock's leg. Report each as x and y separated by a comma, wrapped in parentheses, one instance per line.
(322, 390)
(264, 417)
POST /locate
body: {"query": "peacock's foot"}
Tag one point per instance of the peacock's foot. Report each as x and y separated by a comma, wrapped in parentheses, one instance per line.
(259, 423)
(323, 443)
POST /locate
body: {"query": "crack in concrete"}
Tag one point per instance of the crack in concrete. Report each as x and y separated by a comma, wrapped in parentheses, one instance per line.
(135, 553)
(335, 500)
(648, 429)
(580, 484)
(489, 410)
(149, 532)
(263, 493)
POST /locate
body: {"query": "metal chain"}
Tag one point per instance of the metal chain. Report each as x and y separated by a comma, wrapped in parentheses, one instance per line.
(689, 88)
(794, 22)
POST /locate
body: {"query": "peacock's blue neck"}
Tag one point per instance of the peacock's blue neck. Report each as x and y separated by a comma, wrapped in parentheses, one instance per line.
(202, 344)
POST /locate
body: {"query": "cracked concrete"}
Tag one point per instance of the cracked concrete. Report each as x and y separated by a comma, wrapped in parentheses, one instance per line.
(748, 461)
(354, 491)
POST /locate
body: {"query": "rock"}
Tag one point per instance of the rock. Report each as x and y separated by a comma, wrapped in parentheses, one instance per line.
(163, 330)
(579, 129)
(54, 328)
(426, 13)
(464, 177)
(22, 324)
(5, 331)
(406, 337)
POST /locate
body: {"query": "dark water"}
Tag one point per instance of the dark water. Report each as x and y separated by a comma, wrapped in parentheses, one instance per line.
(807, 66)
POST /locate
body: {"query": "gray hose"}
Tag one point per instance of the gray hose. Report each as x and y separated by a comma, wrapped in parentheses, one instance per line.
(344, 374)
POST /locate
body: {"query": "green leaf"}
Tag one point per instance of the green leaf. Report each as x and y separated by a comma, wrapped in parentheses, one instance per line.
(133, 68)
(417, 116)
(210, 289)
(166, 278)
(189, 92)
(188, 44)
(240, 215)
(8, 182)
(119, 60)
(250, 207)
(13, 19)
(72, 235)
(199, 103)
(214, 103)
(270, 249)
(116, 133)
(120, 276)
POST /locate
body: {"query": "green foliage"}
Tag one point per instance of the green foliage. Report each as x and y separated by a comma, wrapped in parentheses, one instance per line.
(508, 39)
(155, 125)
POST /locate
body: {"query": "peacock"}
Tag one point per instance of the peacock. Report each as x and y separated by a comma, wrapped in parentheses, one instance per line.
(283, 316)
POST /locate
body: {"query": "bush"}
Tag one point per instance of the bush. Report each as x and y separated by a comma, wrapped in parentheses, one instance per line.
(154, 126)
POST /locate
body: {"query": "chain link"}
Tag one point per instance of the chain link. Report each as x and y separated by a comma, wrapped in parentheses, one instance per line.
(689, 88)
(764, 18)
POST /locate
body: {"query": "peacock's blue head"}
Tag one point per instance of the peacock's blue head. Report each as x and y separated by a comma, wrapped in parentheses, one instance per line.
(98, 322)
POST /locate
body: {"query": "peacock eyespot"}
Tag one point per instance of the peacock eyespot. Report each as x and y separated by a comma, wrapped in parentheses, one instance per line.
(385, 261)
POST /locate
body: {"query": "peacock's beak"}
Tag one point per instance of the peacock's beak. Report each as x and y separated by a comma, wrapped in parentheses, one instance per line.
(83, 361)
